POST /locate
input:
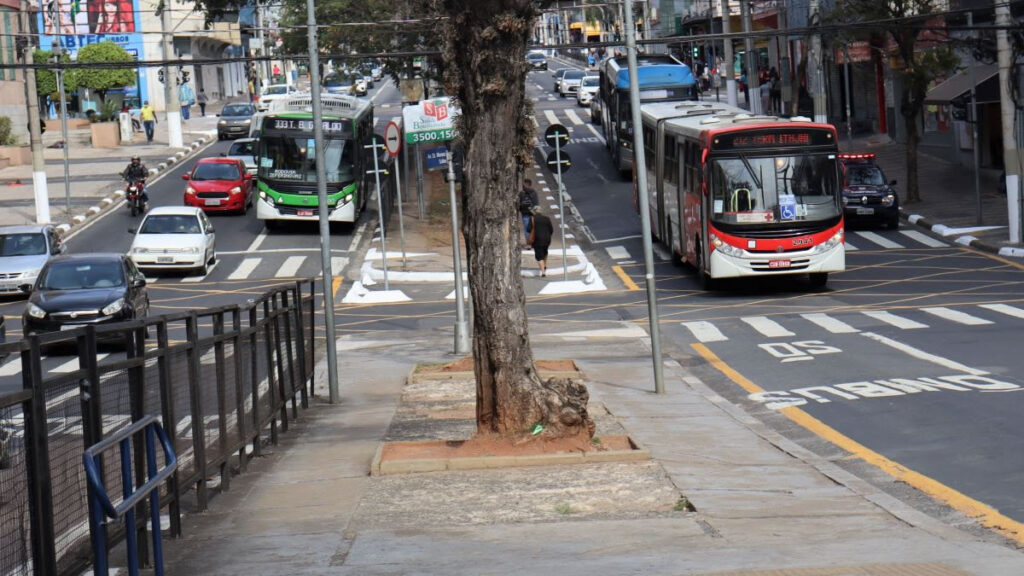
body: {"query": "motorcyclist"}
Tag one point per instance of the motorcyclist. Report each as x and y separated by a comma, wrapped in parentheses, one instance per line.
(136, 172)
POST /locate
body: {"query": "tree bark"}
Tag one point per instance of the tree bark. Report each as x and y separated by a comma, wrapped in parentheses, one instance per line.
(485, 66)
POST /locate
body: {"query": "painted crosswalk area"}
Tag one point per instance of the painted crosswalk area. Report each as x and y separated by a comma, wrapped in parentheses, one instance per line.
(858, 321)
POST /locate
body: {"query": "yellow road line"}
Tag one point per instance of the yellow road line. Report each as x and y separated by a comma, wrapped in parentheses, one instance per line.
(335, 284)
(986, 515)
(630, 285)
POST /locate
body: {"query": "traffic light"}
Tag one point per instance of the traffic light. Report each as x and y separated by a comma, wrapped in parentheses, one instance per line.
(160, 75)
(696, 52)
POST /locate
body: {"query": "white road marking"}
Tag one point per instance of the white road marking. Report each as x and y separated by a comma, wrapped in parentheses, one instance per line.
(766, 326)
(924, 238)
(12, 367)
(705, 331)
(1004, 309)
(552, 119)
(956, 316)
(831, 324)
(939, 360)
(200, 278)
(290, 267)
(617, 252)
(596, 133)
(850, 247)
(619, 239)
(878, 239)
(72, 365)
(573, 117)
(245, 269)
(255, 242)
(338, 265)
(894, 320)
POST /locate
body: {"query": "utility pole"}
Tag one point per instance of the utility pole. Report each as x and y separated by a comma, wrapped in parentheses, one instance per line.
(753, 82)
(820, 112)
(785, 82)
(1011, 155)
(171, 102)
(264, 63)
(39, 189)
(973, 119)
(58, 52)
(728, 71)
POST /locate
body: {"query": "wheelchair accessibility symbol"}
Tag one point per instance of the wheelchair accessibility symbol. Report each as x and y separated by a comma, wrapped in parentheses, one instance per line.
(787, 206)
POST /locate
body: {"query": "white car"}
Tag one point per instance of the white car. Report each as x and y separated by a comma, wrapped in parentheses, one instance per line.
(359, 86)
(377, 73)
(588, 89)
(569, 83)
(174, 238)
(275, 92)
(243, 149)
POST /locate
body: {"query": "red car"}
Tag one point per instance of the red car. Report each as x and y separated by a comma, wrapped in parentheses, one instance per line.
(219, 185)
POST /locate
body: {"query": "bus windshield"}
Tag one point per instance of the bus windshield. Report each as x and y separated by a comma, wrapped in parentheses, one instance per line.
(293, 158)
(776, 189)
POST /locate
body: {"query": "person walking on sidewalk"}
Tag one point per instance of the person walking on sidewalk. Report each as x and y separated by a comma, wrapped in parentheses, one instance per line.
(541, 231)
(148, 117)
(202, 99)
(527, 200)
(186, 97)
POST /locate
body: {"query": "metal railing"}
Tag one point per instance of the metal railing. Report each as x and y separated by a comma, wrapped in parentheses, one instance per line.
(219, 379)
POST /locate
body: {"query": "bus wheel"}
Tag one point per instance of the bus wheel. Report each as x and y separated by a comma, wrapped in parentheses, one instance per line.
(818, 279)
(705, 281)
(271, 224)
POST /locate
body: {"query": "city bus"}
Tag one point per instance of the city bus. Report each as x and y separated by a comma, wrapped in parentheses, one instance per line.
(736, 195)
(286, 159)
(660, 78)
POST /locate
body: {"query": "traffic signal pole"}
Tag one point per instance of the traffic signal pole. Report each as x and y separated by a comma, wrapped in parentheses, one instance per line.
(39, 188)
(171, 102)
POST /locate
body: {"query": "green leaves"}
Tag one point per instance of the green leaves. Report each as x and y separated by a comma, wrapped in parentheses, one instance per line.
(103, 79)
(46, 79)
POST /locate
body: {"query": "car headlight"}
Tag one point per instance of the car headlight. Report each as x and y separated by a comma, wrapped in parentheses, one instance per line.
(888, 200)
(113, 308)
(193, 250)
(724, 248)
(222, 123)
(31, 273)
(35, 311)
(190, 190)
(247, 121)
(235, 190)
(139, 250)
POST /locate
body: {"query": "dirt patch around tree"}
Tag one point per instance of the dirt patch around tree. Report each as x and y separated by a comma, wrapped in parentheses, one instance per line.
(466, 365)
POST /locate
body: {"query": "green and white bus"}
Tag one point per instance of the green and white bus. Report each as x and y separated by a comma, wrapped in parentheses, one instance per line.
(287, 157)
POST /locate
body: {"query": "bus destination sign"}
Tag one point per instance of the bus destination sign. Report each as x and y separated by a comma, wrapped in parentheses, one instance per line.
(772, 139)
(305, 125)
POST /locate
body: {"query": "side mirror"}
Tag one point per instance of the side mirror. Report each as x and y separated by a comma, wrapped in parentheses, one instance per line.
(186, 176)
(139, 282)
(892, 183)
(25, 288)
(209, 230)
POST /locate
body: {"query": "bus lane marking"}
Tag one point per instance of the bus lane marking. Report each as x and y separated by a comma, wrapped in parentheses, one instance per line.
(1004, 309)
(984, 514)
(956, 316)
(922, 355)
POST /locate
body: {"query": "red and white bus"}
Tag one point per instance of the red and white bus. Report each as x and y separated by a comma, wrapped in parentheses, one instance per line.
(738, 195)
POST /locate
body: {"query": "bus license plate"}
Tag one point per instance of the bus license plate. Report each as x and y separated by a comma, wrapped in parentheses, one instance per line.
(780, 263)
(213, 202)
(305, 212)
(865, 211)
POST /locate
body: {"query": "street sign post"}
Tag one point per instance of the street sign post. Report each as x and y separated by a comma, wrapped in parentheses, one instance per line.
(375, 145)
(393, 142)
(393, 138)
(557, 136)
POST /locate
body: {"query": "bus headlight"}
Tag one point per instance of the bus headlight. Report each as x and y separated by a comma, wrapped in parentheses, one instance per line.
(266, 198)
(348, 198)
(726, 249)
(832, 242)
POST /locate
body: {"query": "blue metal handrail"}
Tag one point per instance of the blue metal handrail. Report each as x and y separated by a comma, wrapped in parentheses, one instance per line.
(102, 506)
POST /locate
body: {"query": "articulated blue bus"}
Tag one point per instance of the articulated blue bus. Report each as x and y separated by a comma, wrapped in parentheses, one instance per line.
(660, 77)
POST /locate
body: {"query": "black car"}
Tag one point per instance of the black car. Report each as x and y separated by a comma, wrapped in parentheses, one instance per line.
(235, 120)
(537, 60)
(81, 289)
(867, 197)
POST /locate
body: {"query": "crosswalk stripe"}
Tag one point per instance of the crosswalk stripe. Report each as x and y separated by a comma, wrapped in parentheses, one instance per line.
(956, 316)
(72, 365)
(850, 247)
(878, 239)
(829, 323)
(290, 267)
(552, 119)
(573, 117)
(245, 269)
(596, 133)
(617, 252)
(705, 331)
(924, 238)
(1004, 309)
(338, 264)
(894, 320)
(766, 326)
(12, 367)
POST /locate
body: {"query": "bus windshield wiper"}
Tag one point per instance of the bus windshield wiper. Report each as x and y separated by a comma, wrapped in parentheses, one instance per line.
(750, 170)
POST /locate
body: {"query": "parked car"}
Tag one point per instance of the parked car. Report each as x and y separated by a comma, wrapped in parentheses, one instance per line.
(867, 197)
(570, 81)
(76, 290)
(359, 86)
(235, 120)
(24, 250)
(587, 90)
(537, 60)
(275, 92)
(174, 238)
(219, 185)
(244, 149)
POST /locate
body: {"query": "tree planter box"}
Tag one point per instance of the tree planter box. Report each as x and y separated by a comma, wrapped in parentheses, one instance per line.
(16, 155)
(53, 124)
(105, 135)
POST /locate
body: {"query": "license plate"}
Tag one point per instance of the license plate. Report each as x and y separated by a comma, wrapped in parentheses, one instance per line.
(213, 202)
(779, 263)
(165, 259)
(305, 212)
(69, 327)
(865, 211)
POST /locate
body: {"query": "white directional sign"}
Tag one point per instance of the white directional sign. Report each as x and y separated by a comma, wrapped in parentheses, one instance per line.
(393, 139)
(429, 121)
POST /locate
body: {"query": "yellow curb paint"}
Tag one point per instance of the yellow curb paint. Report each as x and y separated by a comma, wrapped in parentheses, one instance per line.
(335, 284)
(986, 515)
(630, 285)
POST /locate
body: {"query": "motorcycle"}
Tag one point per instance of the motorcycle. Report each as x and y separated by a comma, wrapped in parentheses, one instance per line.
(133, 193)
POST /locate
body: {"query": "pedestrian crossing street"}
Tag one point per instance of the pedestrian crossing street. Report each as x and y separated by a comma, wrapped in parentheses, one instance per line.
(854, 322)
(283, 265)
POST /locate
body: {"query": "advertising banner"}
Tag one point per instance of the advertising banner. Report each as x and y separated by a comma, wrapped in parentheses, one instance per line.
(429, 121)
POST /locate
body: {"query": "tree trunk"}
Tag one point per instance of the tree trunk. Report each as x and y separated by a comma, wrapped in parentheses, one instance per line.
(486, 68)
(913, 138)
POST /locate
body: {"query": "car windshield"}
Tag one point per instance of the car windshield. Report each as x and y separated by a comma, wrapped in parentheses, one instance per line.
(215, 171)
(241, 149)
(591, 81)
(237, 110)
(170, 224)
(535, 57)
(276, 90)
(333, 80)
(767, 190)
(294, 158)
(76, 275)
(864, 176)
(573, 75)
(22, 244)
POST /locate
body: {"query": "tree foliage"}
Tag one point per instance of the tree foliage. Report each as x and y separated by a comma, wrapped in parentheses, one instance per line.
(103, 79)
(46, 79)
(923, 55)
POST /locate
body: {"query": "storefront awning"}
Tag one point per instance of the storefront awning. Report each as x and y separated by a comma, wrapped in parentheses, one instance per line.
(986, 79)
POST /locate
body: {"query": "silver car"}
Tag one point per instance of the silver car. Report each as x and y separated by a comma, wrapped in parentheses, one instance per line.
(23, 252)
(569, 83)
(243, 149)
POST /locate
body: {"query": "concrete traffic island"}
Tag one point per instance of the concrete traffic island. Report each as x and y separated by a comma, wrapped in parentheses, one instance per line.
(434, 428)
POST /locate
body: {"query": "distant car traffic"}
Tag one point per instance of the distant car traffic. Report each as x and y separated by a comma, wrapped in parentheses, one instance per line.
(359, 86)
(24, 250)
(275, 92)
(219, 185)
(336, 83)
(235, 120)
(82, 289)
(867, 197)
(537, 60)
(570, 81)
(174, 238)
(557, 75)
(587, 90)
(377, 73)
(244, 149)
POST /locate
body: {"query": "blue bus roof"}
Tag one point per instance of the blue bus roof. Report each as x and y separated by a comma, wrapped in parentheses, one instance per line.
(657, 75)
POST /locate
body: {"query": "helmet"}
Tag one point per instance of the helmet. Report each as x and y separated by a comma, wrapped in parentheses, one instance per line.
(136, 159)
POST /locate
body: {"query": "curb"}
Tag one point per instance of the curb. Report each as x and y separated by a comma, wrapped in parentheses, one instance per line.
(966, 240)
(115, 196)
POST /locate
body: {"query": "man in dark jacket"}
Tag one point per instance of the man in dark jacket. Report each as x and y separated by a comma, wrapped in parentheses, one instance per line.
(137, 172)
(527, 200)
(540, 238)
